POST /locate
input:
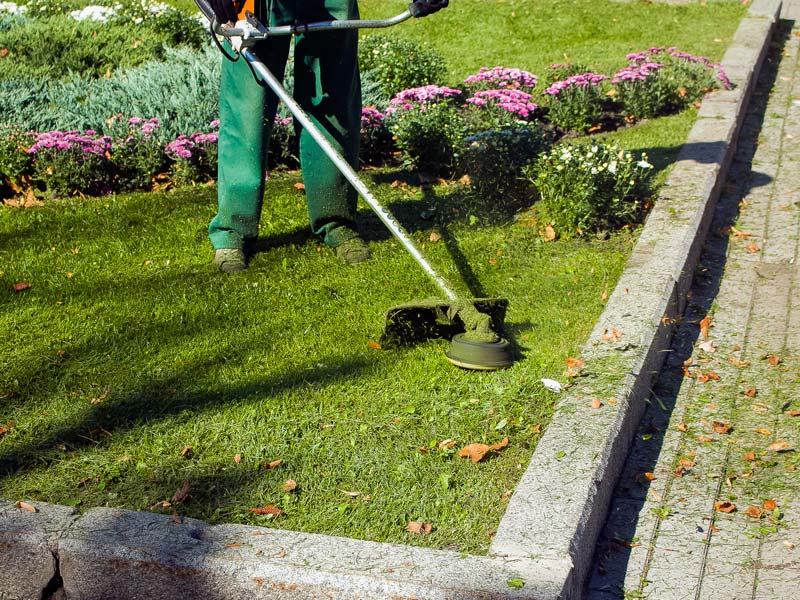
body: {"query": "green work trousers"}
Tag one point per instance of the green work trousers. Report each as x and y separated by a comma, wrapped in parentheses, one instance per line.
(327, 86)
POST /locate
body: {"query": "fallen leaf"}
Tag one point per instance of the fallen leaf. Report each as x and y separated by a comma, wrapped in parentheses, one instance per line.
(234, 545)
(720, 426)
(549, 234)
(774, 360)
(181, 494)
(435, 236)
(611, 336)
(656, 496)
(770, 505)
(764, 431)
(683, 427)
(707, 376)
(685, 462)
(779, 446)
(704, 438)
(724, 507)
(751, 392)
(448, 443)
(237, 458)
(705, 325)
(27, 507)
(752, 247)
(281, 554)
(753, 512)
(465, 180)
(162, 504)
(793, 413)
(21, 287)
(274, 464)
(299, 186)
(750, 456)
(789, 545)
(270, 509)
(186, 452)
(596, 403)
(604, 296)
(419, 527)
(649, 476)
(373, 345)
(574, 363)
(708, 347)
(101, 397)
(476, 452)
(289, 486)
(741, 364)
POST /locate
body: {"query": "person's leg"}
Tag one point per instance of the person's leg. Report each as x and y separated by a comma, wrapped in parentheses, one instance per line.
(247, 111)
(328, 87)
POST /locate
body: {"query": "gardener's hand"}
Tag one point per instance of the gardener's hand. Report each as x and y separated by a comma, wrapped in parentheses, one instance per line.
(423, 8)
(224, 10)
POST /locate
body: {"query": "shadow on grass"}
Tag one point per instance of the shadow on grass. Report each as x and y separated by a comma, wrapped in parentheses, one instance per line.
(614, 547)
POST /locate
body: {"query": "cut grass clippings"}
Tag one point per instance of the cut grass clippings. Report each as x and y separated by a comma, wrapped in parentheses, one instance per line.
(129, 346)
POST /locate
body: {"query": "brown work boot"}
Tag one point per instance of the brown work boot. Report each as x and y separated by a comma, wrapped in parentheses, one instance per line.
(353, 251)
(230, 260)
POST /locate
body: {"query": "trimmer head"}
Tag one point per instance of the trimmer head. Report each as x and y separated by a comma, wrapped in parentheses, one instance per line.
(408, 324)
(480, 356)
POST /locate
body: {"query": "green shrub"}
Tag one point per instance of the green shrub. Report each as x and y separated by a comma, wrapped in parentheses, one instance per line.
(576, 103)
(428, 127)
(376, 138)
(137, 155)
(399, 65)
(494, 160)
(584, 187)
(182, 92)
(195, 157)
(15, 162)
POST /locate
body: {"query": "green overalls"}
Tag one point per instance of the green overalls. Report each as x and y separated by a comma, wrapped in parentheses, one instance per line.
(327, 86)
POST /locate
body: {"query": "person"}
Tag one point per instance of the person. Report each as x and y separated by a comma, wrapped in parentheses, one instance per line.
(328, 88)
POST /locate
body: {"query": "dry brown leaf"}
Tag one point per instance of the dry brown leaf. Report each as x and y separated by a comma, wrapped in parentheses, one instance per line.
(751, 392)
(574, 363)
(234, 545)
(720, 426)
(476, 452)
(27, 507)
(764, 431)
(741, 364)
(754, 512)
(708, 347)
(750, 456)
(237, 458)
(419, 527)
(465, 180)
(649, 476)
(373, 345)
(770, 505)
(604, 296)
(274, 464)
(704, 438)
(752, 247)
(289, 486)
(435, 236)
(596, 403)
(21, 286)
(724, 507)
(549, 234)
(779, 446)
(774, 360)
(299, 186)
(270, 509)
(686, 463)
(656, 496)
(708, 376)
(186, 452)
(611, 336)
(181, 494)
(683, 427)
(705, 325)
(793, 413)
(448, 443)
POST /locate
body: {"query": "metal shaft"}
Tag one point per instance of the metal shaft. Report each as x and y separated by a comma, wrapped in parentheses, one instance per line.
(349, 173)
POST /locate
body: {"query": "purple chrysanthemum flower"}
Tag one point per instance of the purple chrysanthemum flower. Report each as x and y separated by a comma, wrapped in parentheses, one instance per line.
(503, 77)
(582, 80)
(514, 101)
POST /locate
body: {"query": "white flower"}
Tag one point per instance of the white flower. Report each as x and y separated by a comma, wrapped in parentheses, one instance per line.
(643, 164)
(13, 8)
(612, 167)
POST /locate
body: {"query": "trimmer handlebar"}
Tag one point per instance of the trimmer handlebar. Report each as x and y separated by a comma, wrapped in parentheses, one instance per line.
(251, 30)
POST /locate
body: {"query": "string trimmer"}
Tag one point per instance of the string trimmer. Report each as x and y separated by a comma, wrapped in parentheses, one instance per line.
(471, 325)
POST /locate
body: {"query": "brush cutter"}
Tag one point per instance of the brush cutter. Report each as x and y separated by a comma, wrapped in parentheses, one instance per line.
(470, 324)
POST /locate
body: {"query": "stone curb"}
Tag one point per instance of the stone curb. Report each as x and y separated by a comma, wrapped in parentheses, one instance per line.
(546, 538)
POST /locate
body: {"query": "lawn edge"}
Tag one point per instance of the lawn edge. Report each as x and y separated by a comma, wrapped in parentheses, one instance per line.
(544, 544)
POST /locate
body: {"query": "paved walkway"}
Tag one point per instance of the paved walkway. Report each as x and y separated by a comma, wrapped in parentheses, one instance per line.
(708, 505)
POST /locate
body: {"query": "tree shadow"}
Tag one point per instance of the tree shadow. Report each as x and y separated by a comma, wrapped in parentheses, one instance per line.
(616, 542)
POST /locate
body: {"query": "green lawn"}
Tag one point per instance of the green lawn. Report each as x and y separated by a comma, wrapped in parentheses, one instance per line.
(129, 347)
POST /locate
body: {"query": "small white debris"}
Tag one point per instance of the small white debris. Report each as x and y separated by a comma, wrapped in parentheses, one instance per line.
(552, 385)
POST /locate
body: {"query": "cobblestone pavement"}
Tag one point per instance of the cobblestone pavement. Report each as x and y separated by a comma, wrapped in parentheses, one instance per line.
(708, 505)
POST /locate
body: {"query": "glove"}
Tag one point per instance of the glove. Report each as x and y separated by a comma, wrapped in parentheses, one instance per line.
(224, 10)
(423, 8)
